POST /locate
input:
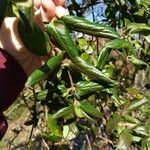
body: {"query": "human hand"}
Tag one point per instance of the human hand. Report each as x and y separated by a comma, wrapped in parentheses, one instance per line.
(10, 41)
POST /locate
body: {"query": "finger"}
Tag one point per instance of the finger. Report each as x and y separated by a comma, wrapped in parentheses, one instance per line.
(9, 32)
(37, 3)
(59, 2)
(44, 15)
(49, 8)
(38, 18)
(61, 11)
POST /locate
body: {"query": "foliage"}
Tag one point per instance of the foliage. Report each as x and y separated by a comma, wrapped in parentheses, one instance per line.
(96, 92)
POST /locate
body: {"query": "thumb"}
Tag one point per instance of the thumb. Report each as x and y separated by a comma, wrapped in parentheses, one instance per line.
(61, 11)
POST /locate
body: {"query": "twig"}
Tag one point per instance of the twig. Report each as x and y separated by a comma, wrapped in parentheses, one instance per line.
(31, 133)
(106, 140)
(92, 11)
(71, 80)
(87, 138)
(97, 45)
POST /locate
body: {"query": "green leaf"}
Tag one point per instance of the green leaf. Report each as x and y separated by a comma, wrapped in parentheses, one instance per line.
(64, 112)
(88, 117)
(70, 131)
(112, 122)
(3, 10)
(87, 87)
(56, 133)
(45, 70)
(147, 38)
(50, 137)
(147, 2)
(90, 109)
(52, 125)
(125, 140)
(84, 45)
(26, 7)
(36, 41)
(137, 138)
(139, 13)
(95, 29)
(147, 126)
(40, 96)
(114, 44)
(78, 110)
(115, 96)
(137, 61)
(81, 113)
(137, 104)
(138, 28)
(86, 57)
(130, 119)
(145, 144)
(140, 129)
(91, 71)
(109, 70)
(60, 33)
(122, 2)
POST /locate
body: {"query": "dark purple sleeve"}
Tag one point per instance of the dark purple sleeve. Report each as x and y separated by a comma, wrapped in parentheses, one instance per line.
(12, 80)
(3, 126)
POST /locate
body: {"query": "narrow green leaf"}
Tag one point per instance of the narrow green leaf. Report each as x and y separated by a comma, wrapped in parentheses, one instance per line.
(91, 72)
(27, 26)
(90, 109)
(70, 131)
(78, 110)
(145, 144)
(130, 119)
(147, 126)
(36, 41)
(138, 28)
(141, 130)
(109, 70)
(52, 125)
(26, 7)
(147, 38)
(64, 112)
(137, 138)
(45, 70)
(60, 33)
(88, 117)
(112, 122)
(144, 2)
(137, 104)
(3, 10)
(137, 61)
(84, 45)
(95, 29)
(81, 113)
(40, 96)
(51, 137)
(87, 87)
(125, 140)
(56, 133)
(114, 44)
